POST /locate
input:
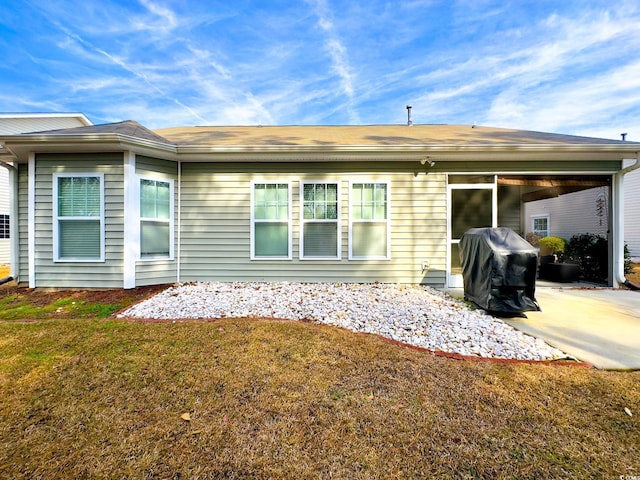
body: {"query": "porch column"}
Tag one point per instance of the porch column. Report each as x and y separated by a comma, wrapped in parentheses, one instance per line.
(131, 224)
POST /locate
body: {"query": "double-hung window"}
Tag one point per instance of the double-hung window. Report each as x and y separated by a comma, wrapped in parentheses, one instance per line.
(156, 219)
(271, 221)
(369, 227)
(320, 237)
(78, 222)
(540, 225)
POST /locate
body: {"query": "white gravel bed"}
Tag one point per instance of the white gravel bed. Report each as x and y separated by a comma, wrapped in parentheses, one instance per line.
(416, 315)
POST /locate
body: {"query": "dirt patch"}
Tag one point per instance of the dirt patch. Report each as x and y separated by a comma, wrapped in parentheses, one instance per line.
(40, 303)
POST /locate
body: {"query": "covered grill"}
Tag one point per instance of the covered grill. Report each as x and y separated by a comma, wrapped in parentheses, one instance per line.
(499, 270)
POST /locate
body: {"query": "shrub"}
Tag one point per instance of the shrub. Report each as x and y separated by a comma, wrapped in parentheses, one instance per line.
(554, 244)
(628, 266)
(591, 252)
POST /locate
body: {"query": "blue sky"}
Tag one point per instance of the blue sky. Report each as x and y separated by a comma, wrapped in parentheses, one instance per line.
(557, 66)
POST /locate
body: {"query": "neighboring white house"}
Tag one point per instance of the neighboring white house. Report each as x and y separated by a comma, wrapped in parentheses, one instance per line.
(12, 123)
(587, 211)
(632, 214)
(4, 216)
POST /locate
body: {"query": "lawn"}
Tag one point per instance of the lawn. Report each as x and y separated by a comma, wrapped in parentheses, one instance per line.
(91, 397)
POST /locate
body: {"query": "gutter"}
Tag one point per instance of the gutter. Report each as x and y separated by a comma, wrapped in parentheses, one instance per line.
(618, 226)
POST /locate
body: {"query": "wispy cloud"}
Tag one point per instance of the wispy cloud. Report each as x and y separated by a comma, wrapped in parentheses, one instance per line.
(168, 20)
(566, 66)
(338, 54)
(131, 68)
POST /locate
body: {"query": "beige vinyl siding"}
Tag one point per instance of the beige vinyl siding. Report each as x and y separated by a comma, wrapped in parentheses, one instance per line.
(107, 274)
(23, 223)
(5, 243)
(154, 272)
(509, 211)
(216, 225)
(632, 213)
(147, 165)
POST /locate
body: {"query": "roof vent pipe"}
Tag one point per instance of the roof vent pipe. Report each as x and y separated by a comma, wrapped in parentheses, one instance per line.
(409, 122)
(624, 136)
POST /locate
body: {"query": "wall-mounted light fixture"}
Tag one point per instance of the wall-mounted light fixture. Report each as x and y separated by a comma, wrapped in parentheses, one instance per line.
(425, 161)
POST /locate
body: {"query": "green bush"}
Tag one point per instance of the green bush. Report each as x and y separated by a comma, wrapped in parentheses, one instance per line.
(628, 266)
(555, 244)
(591, 252)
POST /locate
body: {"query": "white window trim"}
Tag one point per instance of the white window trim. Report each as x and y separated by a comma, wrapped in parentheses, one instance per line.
(387, 220)
(535, 217)
(171, 221)
(289, 256)
(337, 221)
(57, 218)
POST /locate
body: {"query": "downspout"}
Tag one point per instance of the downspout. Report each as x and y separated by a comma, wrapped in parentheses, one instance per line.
(618, 226)
(13, 221)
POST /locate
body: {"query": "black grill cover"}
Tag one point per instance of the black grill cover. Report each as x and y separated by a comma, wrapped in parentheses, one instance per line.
(499, 270)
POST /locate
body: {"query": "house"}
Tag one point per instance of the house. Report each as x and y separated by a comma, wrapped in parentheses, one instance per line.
(632, 214)
(120, 206)
(586, 211)
(12, 123)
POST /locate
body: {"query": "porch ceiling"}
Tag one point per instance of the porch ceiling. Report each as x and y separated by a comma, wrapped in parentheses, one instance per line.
(554, 186)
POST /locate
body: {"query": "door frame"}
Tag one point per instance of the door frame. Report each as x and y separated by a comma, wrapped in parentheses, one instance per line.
(455, 280)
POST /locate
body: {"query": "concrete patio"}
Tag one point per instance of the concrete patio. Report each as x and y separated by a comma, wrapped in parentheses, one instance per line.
(600, 326)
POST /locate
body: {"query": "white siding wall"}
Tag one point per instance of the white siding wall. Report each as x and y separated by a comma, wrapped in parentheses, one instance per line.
(216, 227)
(632, 213)
(5, 243)
(27, 124)
(573, 213)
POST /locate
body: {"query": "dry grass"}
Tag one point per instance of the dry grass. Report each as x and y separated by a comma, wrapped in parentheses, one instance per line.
(271, 399)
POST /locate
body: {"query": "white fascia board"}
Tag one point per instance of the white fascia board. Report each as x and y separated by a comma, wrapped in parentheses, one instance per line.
(21, 145)
(496, 153)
